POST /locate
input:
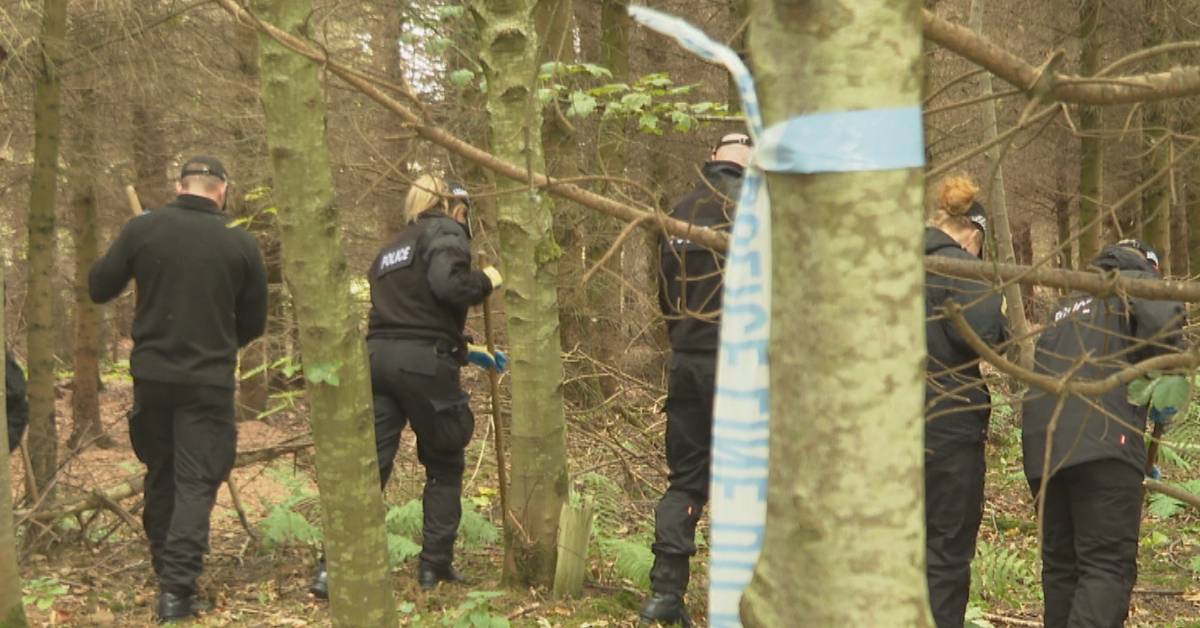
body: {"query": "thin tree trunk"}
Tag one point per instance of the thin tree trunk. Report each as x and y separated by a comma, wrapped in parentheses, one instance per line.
(847, 392)
(1180, 233)
(12, 611)
(539, 481)
(1062, 221)
(39, 304)
(335, 361)
(614, 55)
(1091, 123)
(1156, 200)
(85, 398)
(998, 207)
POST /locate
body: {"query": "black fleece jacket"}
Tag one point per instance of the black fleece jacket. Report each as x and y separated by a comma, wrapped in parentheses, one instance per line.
(1114, 333)
(957, 403)
(201, 291)
(693, 276)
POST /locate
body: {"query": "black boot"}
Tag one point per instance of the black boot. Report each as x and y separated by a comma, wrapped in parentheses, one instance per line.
(666, 609)
(430, 575)
(199, 606)
(174, 607)
(320, 585)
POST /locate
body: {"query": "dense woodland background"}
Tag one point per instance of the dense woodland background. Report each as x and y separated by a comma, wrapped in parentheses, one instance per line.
(146, 84)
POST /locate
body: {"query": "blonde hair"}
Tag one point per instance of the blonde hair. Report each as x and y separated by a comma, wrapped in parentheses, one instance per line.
(425, 194)
(954, 199)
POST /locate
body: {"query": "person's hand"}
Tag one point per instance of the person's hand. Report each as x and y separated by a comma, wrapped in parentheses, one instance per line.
(1163, 416)
(481, 357)
(493, 275)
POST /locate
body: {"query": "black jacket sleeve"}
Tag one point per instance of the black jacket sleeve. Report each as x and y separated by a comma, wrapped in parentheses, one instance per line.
(1159, 324)
(982, 311)
(17, 405)
(111, 273)
(451, 278)
(252, 300)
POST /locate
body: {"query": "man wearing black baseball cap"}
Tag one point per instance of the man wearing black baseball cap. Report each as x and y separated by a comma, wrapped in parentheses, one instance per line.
(201, 294)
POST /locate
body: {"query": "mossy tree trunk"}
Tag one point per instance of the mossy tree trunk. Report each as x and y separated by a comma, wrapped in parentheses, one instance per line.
(12, 611)
(1156, 200)
(509, 52)
(43, 197)
(847, 347)
(1091, 124)
(335, 361)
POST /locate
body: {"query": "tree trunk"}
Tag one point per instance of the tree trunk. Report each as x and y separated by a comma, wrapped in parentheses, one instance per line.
(614, 55)
(335, 362)
(843, 549)
(12, 611)
(43, 197)
(509, 55)
(1091, 124)
(998, 208)
(1180, 233)
(1156, 200)
(85, 398)
(1062, 220)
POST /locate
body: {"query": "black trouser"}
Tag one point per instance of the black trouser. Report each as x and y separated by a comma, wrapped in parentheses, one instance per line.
(187, 438)
(1092, 517)
(953, 511)
(689, 411)
(417, 382)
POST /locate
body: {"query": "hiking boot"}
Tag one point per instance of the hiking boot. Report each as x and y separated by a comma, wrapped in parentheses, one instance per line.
(430, 575)
(174, 607)
(665, 609)
(320, 585)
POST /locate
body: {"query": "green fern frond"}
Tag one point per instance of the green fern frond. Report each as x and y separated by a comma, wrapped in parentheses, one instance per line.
(401, 548)
(1164, 506)
(284, 526)
(633, 561)
(475, 529)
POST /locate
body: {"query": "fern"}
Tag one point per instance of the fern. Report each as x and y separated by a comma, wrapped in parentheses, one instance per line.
(404, 525)
(284, 526)
(633, 560)
(999, 573)
(1164, 506)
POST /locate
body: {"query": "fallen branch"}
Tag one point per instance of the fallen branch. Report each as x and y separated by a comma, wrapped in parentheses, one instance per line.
(101, 498)
(1011, 621)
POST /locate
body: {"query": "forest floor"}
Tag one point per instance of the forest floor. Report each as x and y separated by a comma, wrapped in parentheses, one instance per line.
(93, 569)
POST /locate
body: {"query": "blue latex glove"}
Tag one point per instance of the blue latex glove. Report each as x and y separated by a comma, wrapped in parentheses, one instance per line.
(1163, 415)
(479, 356)
(1155, 473)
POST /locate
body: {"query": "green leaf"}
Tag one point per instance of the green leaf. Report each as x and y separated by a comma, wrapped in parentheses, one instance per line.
(683, 120)
(461, 78)
(450, 11)
(1171, 392)
(596, 70)
(1163, 506)
(438, 45)
(582, 105)
(323, 372)
(649, 124)
(637, 101)
(608, 89)
(551, 69)
(1140, 389)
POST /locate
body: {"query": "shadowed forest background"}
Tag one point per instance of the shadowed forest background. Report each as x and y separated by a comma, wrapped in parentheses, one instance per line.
(625, 114)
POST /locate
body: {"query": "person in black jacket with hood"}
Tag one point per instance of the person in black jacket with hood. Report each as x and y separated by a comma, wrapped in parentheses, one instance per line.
(1086, 470)
(690, 298)
(16, 403)
(957, 402)
(201, 294)
(422, 285)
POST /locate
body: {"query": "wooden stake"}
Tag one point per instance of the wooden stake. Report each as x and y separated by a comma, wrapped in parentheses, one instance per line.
(497, 422)
(574, 531)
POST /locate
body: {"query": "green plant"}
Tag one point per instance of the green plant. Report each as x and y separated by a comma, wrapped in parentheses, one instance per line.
(283, 525)
(1000, 573)
(404, 524)
(476, 612)
(43, 591)
(628, 551)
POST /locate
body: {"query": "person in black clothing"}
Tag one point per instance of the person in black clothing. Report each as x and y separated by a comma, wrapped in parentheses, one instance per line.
(957, 402)
(1091, 465)
(201, 294)
(16, 403)
(422, 285)
(690, 298)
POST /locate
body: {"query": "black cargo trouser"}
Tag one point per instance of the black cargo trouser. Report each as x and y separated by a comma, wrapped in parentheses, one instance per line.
(187, 438)
(416, 382)
(953, 511)
(689, 408)
(1092, 518)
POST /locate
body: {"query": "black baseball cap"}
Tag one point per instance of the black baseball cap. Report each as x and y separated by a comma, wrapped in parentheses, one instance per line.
(978, 217)
(204, 165)
(1141, 246)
